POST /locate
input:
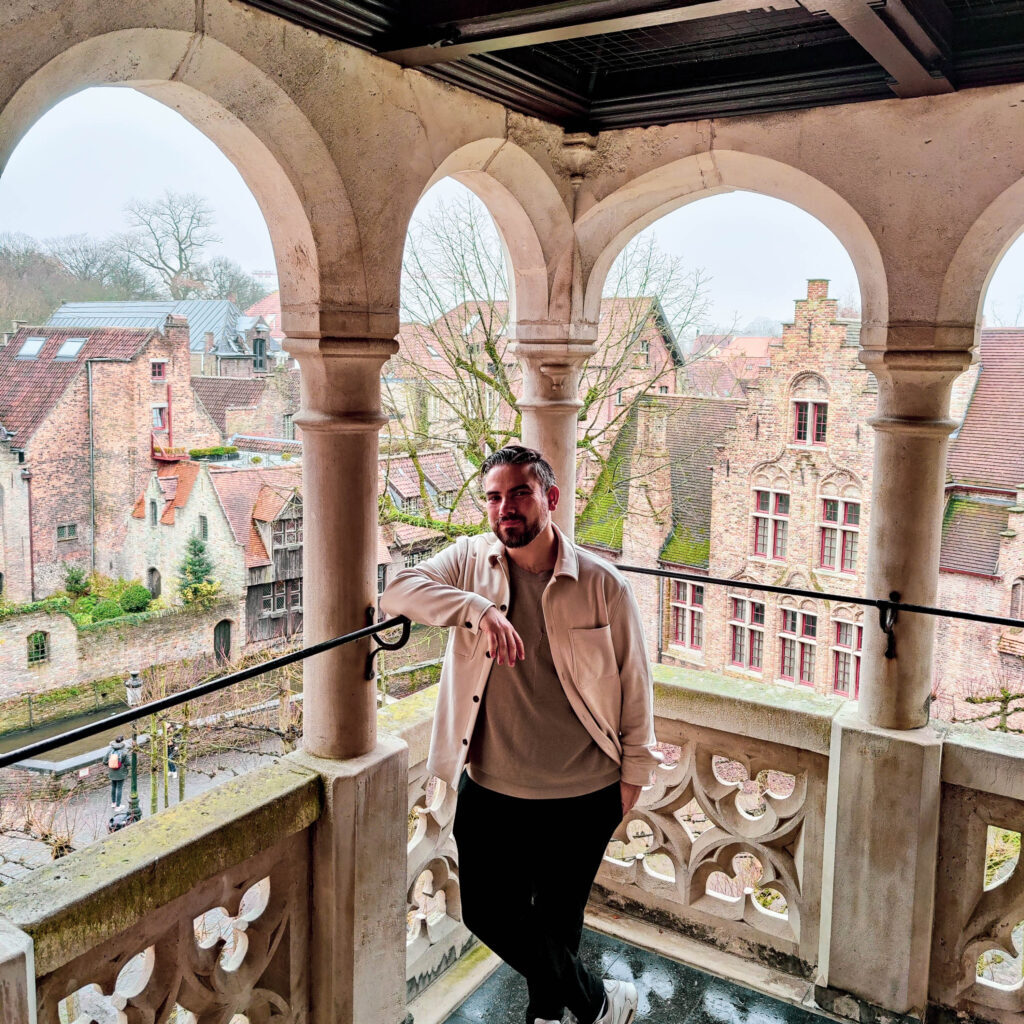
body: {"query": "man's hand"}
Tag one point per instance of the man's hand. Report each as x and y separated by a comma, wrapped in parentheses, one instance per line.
(504, 644)
(630, 794)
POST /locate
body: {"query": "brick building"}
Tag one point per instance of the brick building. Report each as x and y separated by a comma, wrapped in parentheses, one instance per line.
(260, 406)
(86, 414)
(772, 490)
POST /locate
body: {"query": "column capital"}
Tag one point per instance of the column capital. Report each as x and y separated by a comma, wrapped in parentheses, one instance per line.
(915, 336)
(914, 387)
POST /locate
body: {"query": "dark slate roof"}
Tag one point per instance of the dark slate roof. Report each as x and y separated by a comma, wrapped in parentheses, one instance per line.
(988, 451)
(971, 531)
(695, 427)
(269, 445)
(218, 394)
(221, 317)
(30, 387)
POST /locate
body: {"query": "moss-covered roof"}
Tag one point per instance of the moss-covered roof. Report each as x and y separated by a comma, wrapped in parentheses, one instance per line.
(600, 522)
(971, 528)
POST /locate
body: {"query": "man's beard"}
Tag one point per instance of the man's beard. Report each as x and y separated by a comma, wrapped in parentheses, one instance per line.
(517, 540)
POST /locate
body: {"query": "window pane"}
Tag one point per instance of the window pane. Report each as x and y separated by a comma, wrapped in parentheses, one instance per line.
(756, 647)
(806, 663)
(829, 541)
(810, 625)
(849, 551)
(761, 501)
(757, 613)
(782, 504)
(779, 547)
(696, 629)
(852, 513)
(788, 657)
(830, 512)
(678, 591)
(737, 644)
(801, 422)
(678, 627)
(760, 536)
(844, 634)
(841, 681)
(739, 609)
(820, 423)
(788, 621)
(697, 595)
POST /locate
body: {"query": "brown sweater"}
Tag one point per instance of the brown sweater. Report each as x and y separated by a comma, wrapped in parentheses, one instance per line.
(528, 741)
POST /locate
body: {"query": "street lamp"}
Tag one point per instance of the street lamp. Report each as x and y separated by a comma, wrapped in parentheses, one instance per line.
(133, 688)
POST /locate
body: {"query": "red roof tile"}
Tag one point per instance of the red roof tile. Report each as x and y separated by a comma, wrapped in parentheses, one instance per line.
(269, 307)
(218, 394)
(988, 450)
(176, 480)
(239, 490)
(29, 388)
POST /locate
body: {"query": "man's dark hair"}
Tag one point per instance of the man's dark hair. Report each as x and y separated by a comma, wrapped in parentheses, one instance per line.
(518, 455)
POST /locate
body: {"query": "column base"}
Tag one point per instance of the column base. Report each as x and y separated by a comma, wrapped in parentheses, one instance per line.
(17, 976)
(842, 1004)
(359, 893)
(880, 855)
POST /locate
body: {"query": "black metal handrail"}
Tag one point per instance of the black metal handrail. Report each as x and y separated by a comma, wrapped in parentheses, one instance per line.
(888, 610)
(210, 686)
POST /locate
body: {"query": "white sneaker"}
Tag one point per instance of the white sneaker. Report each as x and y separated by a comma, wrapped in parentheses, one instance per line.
(620, 999)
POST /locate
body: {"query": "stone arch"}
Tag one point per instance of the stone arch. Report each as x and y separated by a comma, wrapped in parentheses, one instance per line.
(975, 261)
(532, 220)
(240, 108)
(808, 385)
(608, 225)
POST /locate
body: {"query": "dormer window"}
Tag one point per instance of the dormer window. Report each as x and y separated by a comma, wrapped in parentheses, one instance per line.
(70, 349)
(31, 348)
(158, 370)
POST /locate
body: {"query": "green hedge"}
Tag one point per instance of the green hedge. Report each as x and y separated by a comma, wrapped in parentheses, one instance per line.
(199, 453)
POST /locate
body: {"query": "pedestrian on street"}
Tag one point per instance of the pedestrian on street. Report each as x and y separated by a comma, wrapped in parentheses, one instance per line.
(545, 724)
(117, 769)
(172, 754)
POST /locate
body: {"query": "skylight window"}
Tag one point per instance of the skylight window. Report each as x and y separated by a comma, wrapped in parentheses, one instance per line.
(433, 351)
(31, 348)
(70, 348)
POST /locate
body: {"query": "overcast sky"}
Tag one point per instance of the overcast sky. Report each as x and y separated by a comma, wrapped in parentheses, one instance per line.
(79, 164)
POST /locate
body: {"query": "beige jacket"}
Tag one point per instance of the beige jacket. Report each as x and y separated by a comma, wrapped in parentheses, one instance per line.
(597, 644)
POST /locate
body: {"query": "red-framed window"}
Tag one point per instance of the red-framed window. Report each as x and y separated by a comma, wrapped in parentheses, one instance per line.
(846, 652)
(810, 422)
(687, 604)
(159, 417)
(771, 523)
(798, 633)
(746, 633)
(839, 534)
(157, 371)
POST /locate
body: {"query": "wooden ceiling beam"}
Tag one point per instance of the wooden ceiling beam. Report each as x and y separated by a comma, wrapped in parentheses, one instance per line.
(445, 50)
(908, 67)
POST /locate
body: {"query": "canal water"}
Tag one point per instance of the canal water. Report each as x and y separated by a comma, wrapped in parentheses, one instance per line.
(13, 740)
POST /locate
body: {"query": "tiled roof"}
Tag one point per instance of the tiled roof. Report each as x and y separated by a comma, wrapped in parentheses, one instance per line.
(239, 490)
(970, 534)
(695, 426)
(216, 316)
(218, 394)
(270, 445)
(988, 451)
(269, 307)
(713, 378)
(600, 522)
(176, 480)
(29, 388)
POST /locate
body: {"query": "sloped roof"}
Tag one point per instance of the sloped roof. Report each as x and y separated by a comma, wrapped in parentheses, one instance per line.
(239, 490)
(269, 445)
(218, 394)
(695, 426)
(988, 451)
(176, 480)
(269, 307)
(971, 529)
(600, 522)
(217, 316)
(29, 388)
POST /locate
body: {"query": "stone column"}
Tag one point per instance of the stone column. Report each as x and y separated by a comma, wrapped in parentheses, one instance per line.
(552, 360)
(912, 429)
(340, 419)
(884, 789)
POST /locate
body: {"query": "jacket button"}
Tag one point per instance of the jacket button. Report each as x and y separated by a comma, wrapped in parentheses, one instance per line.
(465, 743)
(469, 625)
(503, 607)
(476, 699)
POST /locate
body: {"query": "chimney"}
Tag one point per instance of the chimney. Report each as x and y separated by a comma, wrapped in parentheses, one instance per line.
(210, 343)
(817, 289)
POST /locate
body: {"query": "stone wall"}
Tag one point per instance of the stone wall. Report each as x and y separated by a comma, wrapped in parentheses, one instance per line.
(79, 655)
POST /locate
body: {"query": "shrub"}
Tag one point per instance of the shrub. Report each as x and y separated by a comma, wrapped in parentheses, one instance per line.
(106, 609)
(256, 460)
(86, 605)
(286, 456)
(223, 449)
(136, 598)
(200, 595)
(75, 581)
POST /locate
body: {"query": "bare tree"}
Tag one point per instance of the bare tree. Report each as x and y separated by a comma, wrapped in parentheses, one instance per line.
(227, 280)
(168, 237)
(102, 264)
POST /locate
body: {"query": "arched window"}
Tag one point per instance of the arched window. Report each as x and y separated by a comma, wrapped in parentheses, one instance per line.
(809, 415)
(847, 640)
(1017, 599)
(38, 647)
(798, 642)
(838, 527)
(153, 581)
(770, 538)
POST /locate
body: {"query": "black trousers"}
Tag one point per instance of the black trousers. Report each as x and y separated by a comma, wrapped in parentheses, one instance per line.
(525, 872)
(116, 789)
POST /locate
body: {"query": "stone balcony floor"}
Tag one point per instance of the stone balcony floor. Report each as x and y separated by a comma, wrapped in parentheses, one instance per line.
(670, 992)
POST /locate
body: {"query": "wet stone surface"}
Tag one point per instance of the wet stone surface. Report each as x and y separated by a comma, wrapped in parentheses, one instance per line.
(670, 993)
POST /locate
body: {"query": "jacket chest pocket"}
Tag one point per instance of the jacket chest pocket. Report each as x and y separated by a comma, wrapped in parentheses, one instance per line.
(465, 642)
(593, 654)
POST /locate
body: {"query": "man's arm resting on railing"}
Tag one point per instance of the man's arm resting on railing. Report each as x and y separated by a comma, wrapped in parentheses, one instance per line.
(429, 592)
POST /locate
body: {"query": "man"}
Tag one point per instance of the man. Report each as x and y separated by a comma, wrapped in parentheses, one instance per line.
(545, 700)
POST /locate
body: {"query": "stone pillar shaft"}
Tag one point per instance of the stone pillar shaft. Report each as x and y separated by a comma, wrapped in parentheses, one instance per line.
(340, 419)
(911, 437)
(550, 408)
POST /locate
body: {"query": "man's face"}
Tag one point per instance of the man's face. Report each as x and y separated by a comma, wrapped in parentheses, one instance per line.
(517, 507)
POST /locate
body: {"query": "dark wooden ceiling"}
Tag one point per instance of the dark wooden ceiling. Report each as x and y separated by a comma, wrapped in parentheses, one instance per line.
(590, 65)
